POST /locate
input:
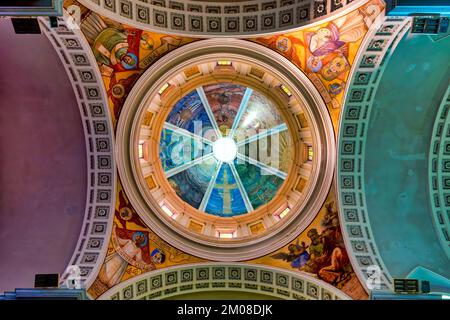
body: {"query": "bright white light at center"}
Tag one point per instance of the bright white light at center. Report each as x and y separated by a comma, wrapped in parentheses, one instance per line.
(225, 149)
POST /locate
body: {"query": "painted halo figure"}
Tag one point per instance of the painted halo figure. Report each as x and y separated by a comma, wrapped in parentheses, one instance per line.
(158, 256)
(118, 50)
(328, 46)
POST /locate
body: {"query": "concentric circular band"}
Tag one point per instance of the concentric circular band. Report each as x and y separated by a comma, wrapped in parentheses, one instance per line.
(149, 203)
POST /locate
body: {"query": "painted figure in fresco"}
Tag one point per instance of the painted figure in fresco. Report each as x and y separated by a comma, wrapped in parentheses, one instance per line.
(339, 266)
(158, 256)
(118, 49)
(329, 259)
(338, 270)
(325, 40)
(284, 44)
(332, 234)
(189, 114)
(328, 46)
(318, 258)
(336, 64)
(325, 256)
(297, 256)
(131, 248)
(125, 214)
(224, 99)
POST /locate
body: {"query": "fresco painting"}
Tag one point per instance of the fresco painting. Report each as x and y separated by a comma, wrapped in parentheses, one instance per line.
(258, 115)
(325, 53)
(116, 50)
(226, 199)
(130, 248)
(275, 150)
(320, 252)
(260, 186)
(213, 187)
(189, 114)
(133, 249)
(176, 149)
(225, 100)
(122, 52)
(191, 184)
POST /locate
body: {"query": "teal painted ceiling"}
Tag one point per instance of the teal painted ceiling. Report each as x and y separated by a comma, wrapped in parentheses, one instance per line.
(396, 155)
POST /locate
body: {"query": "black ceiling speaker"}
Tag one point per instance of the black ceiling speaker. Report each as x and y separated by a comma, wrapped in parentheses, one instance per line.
(425, 286)
(46, 280)
(54, 22)
(26, 25)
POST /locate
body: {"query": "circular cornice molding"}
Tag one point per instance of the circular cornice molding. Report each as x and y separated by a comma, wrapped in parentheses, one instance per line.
(221, 19)
(265, 214)
(76, 56)
(322, 131)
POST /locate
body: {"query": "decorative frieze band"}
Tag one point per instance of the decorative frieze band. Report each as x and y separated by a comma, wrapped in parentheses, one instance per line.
(439, 173)
(209, 277)
(368, 69)
(204, 19)
(81, 68)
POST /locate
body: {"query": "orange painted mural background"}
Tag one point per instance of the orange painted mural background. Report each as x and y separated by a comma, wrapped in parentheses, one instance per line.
(325, 53)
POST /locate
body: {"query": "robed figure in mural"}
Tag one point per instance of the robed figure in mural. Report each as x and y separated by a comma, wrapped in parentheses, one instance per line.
(325, 256)
(328, 46)
(131, 248)
(115, 47)
(118, 49)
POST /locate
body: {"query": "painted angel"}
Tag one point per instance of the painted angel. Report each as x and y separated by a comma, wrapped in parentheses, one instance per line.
(297, 256)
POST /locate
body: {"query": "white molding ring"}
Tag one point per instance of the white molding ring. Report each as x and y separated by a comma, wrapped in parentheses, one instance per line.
(221, 19)
(303, 89)
(438, 176)
(369, 66)
(210, 277)
(81, 67)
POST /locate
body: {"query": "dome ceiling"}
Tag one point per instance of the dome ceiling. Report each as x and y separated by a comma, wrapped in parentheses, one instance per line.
(225, 149)
(207, 19)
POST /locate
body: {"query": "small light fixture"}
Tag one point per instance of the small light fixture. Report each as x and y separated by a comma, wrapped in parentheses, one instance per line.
(168, 211)
(226, 234)
(224, 63)
(141, 150)
(310, 153)
(286, 90)
(163, 88)
(282, 214)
